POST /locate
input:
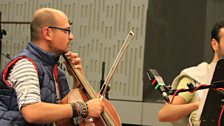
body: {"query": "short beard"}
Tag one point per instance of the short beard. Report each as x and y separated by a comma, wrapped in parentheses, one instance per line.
(56, 51)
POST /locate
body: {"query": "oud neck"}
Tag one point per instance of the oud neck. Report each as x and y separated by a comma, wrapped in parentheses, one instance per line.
(86, 85)
(76, 73)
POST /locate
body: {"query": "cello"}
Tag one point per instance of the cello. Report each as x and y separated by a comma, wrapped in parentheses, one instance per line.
(109, 116)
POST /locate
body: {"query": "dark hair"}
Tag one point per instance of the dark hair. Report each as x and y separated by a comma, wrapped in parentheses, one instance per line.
(216, 29)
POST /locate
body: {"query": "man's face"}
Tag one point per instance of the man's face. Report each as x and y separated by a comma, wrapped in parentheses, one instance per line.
(220, 50)
(61, 36)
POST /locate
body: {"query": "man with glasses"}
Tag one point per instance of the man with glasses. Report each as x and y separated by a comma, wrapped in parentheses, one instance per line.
(183, 110)
(32, 83)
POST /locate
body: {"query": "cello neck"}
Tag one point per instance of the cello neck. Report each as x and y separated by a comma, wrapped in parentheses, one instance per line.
(76, 73)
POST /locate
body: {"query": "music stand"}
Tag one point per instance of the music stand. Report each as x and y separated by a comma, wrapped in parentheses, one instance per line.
(214, 100)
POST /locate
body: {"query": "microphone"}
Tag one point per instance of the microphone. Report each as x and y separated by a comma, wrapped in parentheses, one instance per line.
(158, 83)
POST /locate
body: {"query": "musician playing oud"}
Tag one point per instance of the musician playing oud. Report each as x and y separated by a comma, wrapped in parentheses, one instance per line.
(32, 83)
(185, 105)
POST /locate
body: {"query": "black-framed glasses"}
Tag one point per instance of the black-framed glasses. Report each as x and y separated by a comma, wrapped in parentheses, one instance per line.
(63, 29)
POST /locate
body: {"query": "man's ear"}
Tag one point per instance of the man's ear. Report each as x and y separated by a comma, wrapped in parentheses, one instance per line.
(47, 33)
(214, 44)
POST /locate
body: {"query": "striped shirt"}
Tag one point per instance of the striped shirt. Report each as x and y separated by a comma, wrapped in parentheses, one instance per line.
(24, 79)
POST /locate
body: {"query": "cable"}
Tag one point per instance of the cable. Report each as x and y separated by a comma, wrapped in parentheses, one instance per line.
(222, 89)
(182, 89)
(175, 94)
(220, 116)
(222, 110)
(198, 87)
(6, 55)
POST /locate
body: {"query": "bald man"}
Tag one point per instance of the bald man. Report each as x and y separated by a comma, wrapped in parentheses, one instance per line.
(32, 84)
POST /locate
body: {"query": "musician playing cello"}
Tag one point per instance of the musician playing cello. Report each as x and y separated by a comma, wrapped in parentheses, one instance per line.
(32, 83)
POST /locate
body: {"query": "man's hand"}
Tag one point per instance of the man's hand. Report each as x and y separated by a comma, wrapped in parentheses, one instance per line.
(95, 107)
(75, 61)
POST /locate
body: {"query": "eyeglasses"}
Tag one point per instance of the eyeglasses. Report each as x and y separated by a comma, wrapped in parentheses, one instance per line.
(63, 29)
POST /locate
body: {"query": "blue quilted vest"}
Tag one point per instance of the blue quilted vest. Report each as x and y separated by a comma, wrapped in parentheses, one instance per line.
(47, 66)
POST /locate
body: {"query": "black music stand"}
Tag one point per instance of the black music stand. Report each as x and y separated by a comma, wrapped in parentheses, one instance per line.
(215, 99)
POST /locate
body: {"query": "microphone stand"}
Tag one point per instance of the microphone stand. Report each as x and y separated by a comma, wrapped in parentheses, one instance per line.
(1, 36)
(102, 86)
(3, 32)
(191, 87)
